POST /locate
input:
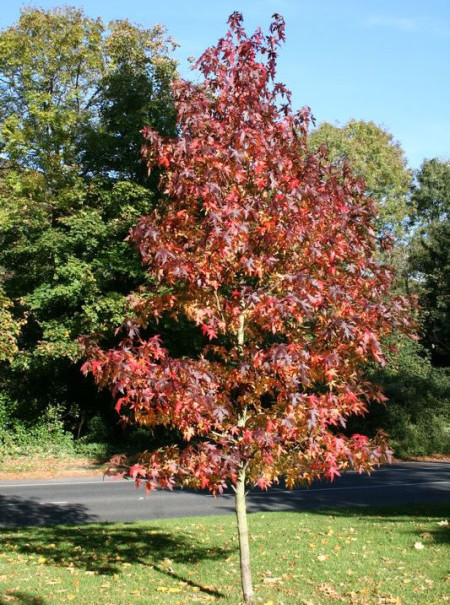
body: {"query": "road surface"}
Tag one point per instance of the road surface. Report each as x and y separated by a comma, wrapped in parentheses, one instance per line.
(90, 499)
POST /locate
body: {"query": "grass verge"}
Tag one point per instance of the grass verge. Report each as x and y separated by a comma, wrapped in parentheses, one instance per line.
(359, 557)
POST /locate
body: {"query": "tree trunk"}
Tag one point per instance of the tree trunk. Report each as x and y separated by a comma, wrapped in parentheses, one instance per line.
(244, 548)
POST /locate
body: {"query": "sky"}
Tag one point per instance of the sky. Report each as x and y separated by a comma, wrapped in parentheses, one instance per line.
(387, 61)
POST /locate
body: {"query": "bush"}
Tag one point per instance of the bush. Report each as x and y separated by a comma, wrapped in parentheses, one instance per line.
(417, 416)
(20, 438)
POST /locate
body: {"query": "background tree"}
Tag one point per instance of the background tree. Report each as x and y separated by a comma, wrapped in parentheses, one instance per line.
(71, 185)
(417, 418)
(135, 91)
(270, 252)
(429, 258)
(431, 192)
(376, 157)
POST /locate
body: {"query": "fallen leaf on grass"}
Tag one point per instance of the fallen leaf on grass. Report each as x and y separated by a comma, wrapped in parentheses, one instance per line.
(330, 591)
(271, 580)
(391, 600)
(322, 558)
(166, 562)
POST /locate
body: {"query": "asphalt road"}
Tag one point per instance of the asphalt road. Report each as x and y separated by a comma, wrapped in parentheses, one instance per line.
(86, 500)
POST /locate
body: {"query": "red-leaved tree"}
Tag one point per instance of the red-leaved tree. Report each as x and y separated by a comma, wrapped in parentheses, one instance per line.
(271, 252)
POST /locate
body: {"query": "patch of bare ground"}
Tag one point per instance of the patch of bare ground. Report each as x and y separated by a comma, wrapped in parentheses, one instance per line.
(48, 467)
(433, 458)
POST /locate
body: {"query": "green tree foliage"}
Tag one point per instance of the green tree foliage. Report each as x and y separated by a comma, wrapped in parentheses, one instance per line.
(431, 192)
(135, 91)
(375, 157)
(61, 71)
(417, 379)
(49, 63)
(74, 94)
(417, 417)
(9, 329)
(429, 258)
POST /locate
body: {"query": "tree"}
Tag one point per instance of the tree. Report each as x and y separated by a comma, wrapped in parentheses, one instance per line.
(135, 91)
(50, 62)
(375, 157)
(62, 73)
(270, 252)
(429, 255)
(431, 192)
(65, 206)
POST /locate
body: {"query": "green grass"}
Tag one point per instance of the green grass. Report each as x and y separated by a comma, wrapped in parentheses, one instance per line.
(359, 557)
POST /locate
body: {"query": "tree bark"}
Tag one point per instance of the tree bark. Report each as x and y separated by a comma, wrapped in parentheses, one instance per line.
(239, 496)
(244, 548)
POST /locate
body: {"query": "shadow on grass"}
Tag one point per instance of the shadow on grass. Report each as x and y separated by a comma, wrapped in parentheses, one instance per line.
(106, 548)
(436, 512)
(20, 598)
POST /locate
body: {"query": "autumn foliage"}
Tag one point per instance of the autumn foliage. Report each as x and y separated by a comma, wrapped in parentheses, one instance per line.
(271, 252)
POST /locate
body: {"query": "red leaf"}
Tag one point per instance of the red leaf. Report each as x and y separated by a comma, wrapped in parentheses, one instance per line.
(209, 332)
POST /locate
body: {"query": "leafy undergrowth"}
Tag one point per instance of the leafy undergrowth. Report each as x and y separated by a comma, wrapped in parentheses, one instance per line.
(359, 557)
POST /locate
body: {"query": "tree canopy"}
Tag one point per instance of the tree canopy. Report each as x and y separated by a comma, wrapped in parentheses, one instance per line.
(270, 251)
(429, 256)
(72, 181)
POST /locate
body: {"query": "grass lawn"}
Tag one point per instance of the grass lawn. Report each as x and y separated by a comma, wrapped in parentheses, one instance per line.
(362, 557)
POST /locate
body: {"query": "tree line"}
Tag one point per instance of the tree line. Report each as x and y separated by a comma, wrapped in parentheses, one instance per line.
(75, 94)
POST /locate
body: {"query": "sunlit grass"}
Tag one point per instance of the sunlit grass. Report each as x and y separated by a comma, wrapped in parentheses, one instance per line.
(359, 557)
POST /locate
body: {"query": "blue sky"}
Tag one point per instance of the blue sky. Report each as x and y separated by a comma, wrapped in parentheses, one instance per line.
(381, 60)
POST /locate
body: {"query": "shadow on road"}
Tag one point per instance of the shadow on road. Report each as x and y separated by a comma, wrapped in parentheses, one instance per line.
(20, 512)
(403, 486)
(106, 548)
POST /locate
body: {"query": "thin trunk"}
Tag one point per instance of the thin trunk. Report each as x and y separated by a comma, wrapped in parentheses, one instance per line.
(241, 333)
(239, 495)
(244, 548)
